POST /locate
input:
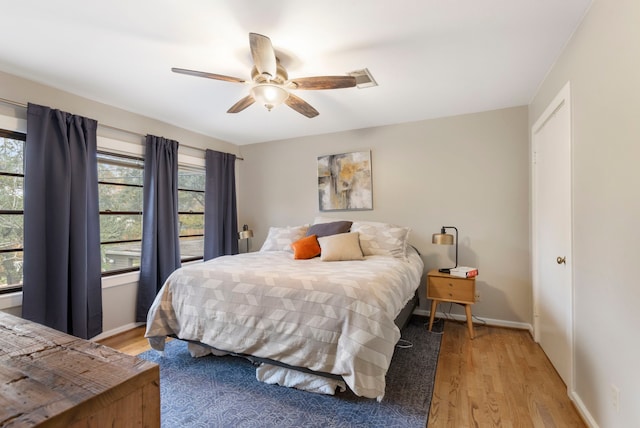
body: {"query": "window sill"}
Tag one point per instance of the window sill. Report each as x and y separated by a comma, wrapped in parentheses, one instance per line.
(122, 279)
(10, 300)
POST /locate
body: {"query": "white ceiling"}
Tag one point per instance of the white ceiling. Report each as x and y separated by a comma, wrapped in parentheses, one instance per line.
(431, 58)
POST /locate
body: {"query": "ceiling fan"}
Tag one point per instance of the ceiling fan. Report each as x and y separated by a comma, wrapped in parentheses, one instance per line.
(270, 84)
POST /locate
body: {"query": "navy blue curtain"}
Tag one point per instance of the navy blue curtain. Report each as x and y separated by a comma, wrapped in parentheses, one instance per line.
(62, 279)
(221, 213)
(160, 228)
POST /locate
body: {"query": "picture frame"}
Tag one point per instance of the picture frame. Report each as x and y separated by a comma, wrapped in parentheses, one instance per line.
(345, 182)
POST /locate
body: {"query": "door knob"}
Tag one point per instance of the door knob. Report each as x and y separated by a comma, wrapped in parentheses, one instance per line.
(561, 260)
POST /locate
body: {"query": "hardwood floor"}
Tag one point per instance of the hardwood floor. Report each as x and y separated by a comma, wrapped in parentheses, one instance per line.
(130, 342)
(500, 379)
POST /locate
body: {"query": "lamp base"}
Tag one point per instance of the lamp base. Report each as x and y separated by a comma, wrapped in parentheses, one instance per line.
(447, 270)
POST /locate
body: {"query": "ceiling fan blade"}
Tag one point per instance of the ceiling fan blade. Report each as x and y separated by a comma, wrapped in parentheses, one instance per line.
(324, 82)
(208, 75)
(264, 57)
(301, 106)
(242, 104)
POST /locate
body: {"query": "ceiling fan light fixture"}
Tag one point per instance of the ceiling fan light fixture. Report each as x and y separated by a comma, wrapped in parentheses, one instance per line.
(270, 82)
(269, 95)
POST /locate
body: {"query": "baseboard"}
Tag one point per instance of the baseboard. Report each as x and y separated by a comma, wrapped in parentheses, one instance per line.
(582, 409)
(489, 321)
(118, 330)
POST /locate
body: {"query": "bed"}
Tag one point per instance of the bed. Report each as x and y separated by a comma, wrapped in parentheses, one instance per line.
(334, 315)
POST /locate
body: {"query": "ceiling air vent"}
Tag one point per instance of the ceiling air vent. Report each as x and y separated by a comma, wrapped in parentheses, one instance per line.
(364, 79)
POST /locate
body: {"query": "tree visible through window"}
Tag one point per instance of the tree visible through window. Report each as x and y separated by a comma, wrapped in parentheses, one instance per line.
(120, 180)
(191, 183)
(11, 209)
(120, 187)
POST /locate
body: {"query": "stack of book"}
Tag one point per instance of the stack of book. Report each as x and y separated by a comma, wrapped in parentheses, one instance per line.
(464, 272)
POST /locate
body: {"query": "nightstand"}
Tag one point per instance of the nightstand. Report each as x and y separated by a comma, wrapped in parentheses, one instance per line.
(442, 287)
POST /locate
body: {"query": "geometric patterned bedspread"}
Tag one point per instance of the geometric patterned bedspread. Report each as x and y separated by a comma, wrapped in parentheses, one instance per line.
(333, 317)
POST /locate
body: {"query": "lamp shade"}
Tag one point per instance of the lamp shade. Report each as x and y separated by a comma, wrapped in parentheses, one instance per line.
(246, 234)
(442, 239)
(269, 95)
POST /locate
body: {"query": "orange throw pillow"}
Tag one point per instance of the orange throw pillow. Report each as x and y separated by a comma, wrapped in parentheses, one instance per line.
(306, 248)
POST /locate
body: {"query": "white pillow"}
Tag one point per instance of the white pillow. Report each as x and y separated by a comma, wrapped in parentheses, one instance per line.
(380, 239)
(343, 246)
(281, 238)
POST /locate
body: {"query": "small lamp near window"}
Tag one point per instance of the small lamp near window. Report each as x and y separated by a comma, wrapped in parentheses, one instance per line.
(444, 238)
(246, 233)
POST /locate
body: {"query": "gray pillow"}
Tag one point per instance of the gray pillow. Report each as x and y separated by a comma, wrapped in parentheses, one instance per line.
(328, 229)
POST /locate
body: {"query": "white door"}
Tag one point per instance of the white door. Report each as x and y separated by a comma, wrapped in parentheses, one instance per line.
(552, 232)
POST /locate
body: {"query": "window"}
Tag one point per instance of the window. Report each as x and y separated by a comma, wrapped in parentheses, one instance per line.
(120, 180)
(191, 181)
(120, 188)
(11, 209)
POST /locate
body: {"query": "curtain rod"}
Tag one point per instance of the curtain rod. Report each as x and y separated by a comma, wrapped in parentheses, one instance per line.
(115, 128)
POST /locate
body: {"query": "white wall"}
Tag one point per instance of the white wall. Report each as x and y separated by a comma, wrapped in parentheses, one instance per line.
(119, 292)
(602, 62)
(468, 171)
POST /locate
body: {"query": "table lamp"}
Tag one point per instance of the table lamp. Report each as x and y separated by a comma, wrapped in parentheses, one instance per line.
(246, 233)
(444, 238)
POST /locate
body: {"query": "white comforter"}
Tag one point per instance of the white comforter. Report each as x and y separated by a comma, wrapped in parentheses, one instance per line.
(333, 317)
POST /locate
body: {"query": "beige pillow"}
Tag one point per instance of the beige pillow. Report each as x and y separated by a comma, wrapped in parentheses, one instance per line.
(340, 247)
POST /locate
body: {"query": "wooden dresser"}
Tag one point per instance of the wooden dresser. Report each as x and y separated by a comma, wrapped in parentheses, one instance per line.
(52, 379)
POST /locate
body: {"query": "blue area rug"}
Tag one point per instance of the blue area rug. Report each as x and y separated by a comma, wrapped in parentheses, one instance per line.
(223, 391)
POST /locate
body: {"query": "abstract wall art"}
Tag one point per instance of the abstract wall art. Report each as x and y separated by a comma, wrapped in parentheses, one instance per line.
(344, 182)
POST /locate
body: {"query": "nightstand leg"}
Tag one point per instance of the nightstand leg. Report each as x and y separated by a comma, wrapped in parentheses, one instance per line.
(467, 309)
(434, 306)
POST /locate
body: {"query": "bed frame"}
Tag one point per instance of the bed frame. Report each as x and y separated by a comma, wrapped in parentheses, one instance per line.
(405, 314)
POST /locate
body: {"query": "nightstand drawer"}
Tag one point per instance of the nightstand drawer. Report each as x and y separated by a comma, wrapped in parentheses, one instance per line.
(457, 289)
